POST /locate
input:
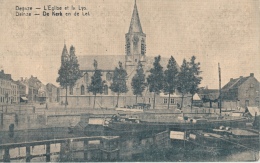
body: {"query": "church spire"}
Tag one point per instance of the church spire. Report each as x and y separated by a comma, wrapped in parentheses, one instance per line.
(65, 54)
(135, 25)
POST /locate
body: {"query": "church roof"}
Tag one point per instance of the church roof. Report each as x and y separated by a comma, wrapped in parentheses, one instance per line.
(105, 62)
(135, 25)
(109, 62)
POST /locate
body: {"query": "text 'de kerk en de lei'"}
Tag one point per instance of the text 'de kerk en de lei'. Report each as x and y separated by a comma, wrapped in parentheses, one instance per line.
(52, 10)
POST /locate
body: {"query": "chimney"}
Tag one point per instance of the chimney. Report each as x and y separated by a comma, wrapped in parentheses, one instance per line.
(2, 71)
(21, 78)
(251, 74)
(231, 79)
(241, 76)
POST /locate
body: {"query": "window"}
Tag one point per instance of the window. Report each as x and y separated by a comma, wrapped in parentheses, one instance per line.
(109, 76)
(172, 100)
(71, 90)
(86, 77)
(143, 48)
(246, 93)
(127, 46)
(82, 90)
(149, 100)
(165, 100)
(106, 90)
(247, 103)
(251, 85)
(135, 60)
(256, 103)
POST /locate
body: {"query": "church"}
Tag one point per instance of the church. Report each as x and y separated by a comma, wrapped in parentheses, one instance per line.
(135, 51)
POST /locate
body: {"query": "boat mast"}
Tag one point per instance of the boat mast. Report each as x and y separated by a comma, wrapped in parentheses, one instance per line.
(219, 73)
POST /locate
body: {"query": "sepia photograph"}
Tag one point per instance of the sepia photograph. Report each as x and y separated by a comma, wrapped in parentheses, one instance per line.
(129, 81)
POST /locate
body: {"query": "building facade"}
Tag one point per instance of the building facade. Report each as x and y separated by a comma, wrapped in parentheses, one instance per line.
(241, 92)
(35, 91)
(21, 91)
(8, 89)
(52, 92)
(135, 51)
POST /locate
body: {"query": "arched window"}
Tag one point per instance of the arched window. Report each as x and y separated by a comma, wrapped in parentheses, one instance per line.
(143, 48)
(105, 90)
(86, 77)
(71, 90)
(127, 46)
(82, 90)
(109, 76)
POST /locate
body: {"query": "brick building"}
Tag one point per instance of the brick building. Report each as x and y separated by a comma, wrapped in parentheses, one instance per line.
(241, 92)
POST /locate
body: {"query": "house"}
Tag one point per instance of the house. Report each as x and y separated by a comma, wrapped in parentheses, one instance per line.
(42, 94)
(209, 97)
(21, 88)
(197, 101)
(52, 92)
(8, 89)
(241, 92)
(33, 84)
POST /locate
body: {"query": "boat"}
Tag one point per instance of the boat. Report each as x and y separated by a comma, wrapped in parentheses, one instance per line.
(242, 138)
(129, 110)
(131, 123)
(134, 122)
(139, 107)
(210, 143)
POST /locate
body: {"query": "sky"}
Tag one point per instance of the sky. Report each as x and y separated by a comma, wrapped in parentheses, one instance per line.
(215, 31)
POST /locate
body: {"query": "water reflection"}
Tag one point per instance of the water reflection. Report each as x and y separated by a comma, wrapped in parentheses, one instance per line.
(37, 153)
(135, 148)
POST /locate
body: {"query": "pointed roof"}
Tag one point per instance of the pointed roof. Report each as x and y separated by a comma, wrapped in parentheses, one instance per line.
(135, 25)
(235, 83)
(65, 51)
(196, 97)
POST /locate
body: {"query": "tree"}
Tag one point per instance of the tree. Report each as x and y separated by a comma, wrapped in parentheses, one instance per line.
(96, 85)
(119, 81)
(138, 81)
(155, 78)
(74, 70)
(69, 71)
(64, 71)
(184, 80)
(170, 78)
(195, 78)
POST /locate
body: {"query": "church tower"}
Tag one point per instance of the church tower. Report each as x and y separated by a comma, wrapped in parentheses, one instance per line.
(135, 42)
(65, 54)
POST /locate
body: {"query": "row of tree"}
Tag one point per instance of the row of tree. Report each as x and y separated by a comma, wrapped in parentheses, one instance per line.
(185, 79)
